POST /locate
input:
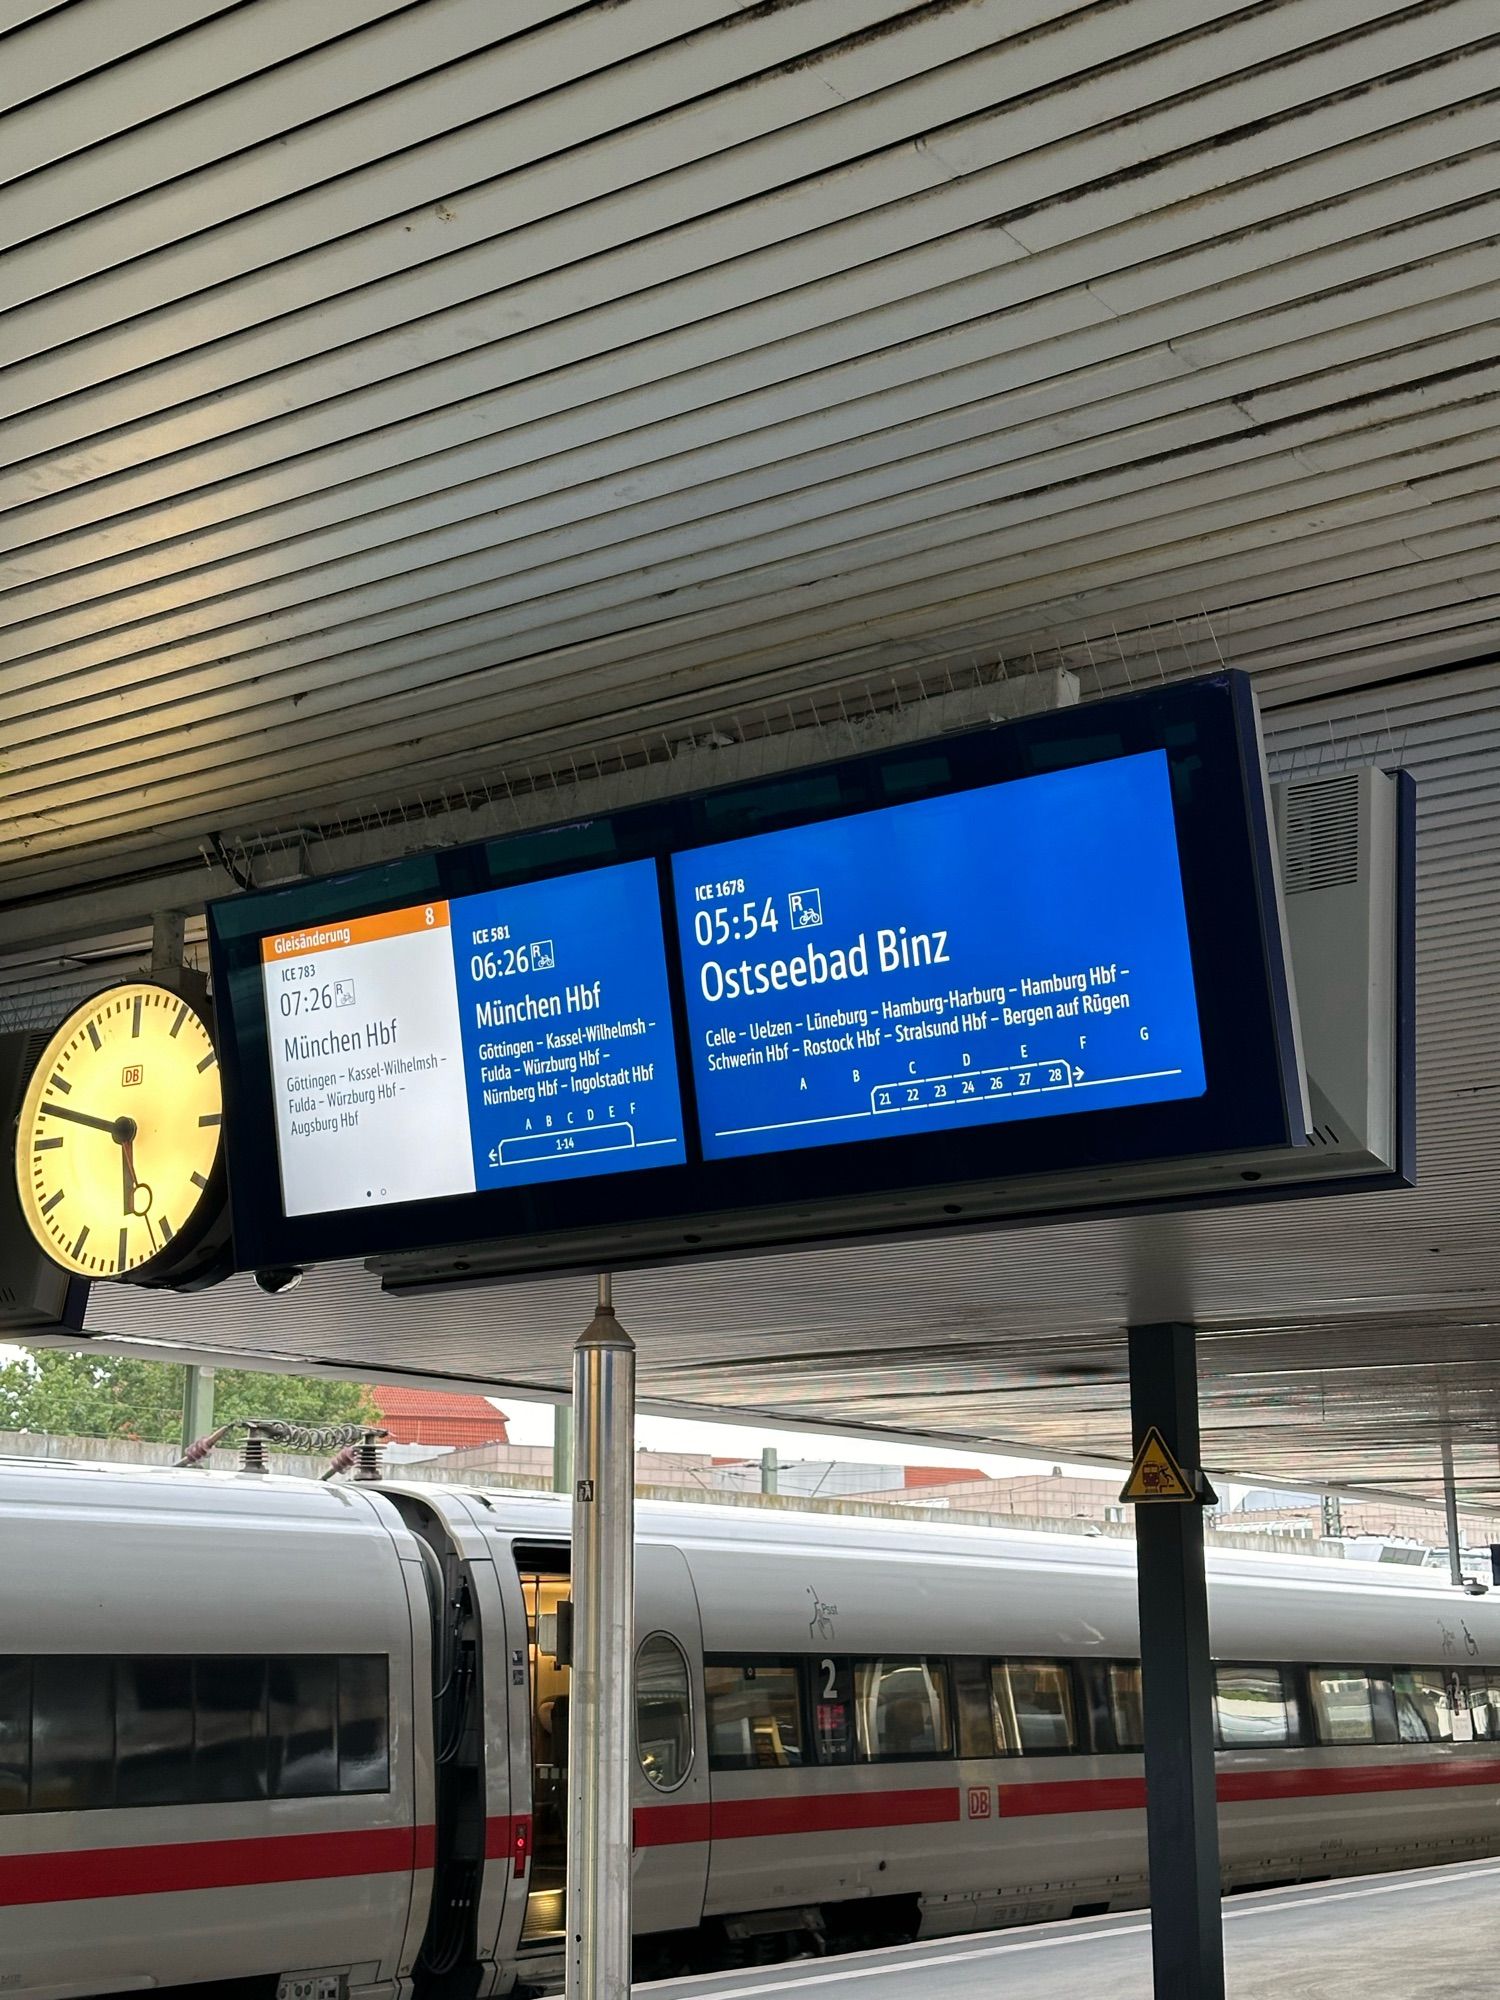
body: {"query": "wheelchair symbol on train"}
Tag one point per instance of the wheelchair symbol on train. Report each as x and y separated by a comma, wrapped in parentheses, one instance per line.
(820, 1625)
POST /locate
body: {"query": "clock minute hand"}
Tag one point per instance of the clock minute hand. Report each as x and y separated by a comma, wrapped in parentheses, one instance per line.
(81, 1118)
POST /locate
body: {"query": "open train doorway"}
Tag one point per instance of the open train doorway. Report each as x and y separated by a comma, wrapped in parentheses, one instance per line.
(546, 1591)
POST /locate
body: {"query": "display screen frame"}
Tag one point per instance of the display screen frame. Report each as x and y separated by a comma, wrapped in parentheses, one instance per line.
(1209, 731)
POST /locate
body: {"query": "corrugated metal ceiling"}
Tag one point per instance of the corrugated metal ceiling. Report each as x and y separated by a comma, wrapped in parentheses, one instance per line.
(404, 396)
(396, 394)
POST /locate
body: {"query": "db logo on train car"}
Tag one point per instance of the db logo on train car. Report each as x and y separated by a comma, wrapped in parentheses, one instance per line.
(980, 1802)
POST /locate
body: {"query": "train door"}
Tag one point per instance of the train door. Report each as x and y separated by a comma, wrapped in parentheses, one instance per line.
(670, 1792)
(671, 1789)
(544, 1590)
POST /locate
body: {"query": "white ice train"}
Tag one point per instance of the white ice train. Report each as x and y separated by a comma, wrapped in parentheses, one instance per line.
(314, 1737)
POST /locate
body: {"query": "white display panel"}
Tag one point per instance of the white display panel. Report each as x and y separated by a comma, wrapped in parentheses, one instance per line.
(367, 1062)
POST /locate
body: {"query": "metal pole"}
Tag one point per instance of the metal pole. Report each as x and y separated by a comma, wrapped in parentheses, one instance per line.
(770, 1470)
(1182, 1830)
(1450, 1508)
(197, 1404)
(603, 1678)
(562, 1448)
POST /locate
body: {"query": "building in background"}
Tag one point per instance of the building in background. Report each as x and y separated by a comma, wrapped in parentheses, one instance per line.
(438, 1418)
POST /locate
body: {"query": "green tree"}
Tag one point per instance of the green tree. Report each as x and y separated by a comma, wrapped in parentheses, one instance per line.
(109, 1395)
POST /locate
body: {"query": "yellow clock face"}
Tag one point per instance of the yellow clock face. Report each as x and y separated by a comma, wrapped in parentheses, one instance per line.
(119, 1131)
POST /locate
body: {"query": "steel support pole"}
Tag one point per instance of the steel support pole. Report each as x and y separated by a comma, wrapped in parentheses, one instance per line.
(1450, 1509)
(770, 1470)
(1182, 1830)
(603, 1678)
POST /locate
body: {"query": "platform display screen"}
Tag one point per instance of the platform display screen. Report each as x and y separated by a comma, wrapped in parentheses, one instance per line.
(866, 997)
(1016, 951)
(518, 1035)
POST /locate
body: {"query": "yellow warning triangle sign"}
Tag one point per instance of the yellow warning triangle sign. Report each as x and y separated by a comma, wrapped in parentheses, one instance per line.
(1156, 1475)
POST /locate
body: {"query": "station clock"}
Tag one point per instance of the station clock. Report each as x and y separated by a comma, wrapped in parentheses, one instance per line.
(118, 1143)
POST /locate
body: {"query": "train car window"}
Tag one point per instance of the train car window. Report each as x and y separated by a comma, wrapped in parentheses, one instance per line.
(833, 1709)
(72, 1734)
(229, 1748)
(1297, 1720)
(971, 1694)
(153, 1731)
(15, 1735)
(1251, 1708)
(902, 1710)
(1124, 1679)
(1096, 1730)
(79, 1733)
(1457, 1686)
(1343, 1711)
(364, 1723)
(1484, 1703)
(1423, 1714)
(754, 1715)
(663, 1712)
(303, 1727)
(1033, 1707)
(1383, 1707)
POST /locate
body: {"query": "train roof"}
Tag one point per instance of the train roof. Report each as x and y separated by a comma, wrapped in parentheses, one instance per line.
(708, 1525)
(167, 1488)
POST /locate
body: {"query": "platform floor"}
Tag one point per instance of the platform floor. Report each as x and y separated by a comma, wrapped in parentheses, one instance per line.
(1433, 1934)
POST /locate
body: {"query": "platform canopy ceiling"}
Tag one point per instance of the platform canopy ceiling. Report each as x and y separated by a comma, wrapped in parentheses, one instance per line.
(399, 395)
(409, 407)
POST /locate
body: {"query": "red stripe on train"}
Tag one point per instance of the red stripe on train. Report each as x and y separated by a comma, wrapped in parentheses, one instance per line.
(671, 1826)
(845, 1812)
(1328, 1781)
(834, 1812)
(75, 1876)
(1073, 1795)
(1339, 1780)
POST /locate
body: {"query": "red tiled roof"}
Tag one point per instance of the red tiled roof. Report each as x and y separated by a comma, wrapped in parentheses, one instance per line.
(437, 1416)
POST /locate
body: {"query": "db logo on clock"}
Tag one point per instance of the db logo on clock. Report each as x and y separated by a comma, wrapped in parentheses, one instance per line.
(132, 1073)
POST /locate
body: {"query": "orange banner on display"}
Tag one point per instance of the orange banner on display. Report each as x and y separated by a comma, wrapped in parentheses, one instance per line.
(354, 930)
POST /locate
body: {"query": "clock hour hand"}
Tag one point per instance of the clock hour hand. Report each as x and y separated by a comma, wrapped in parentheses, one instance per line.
(109, 1125)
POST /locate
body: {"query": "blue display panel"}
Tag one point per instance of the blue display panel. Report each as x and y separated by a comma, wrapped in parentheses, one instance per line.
(1016, 951)
(514, 1037)
(562, 993)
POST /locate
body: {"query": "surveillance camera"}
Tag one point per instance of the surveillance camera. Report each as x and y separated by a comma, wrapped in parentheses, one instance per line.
(278, 1278)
